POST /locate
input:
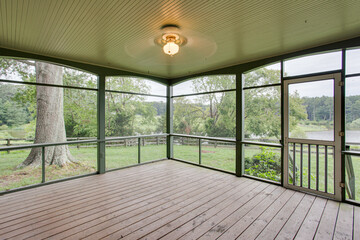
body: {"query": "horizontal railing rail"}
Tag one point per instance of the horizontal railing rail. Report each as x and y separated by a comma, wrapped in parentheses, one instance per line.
(129, 137)
(47, 85)
(354, 153)
(312, 142)
(203, 93)
(278, 145)
(227, 140)
(203, 137)
(34, 145)
(134, 93)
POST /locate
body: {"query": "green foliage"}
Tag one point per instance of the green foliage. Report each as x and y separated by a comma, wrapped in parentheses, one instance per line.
(264, 165)
(262, 105)
(208, 114)
(12, 112)
(5, 134)
(298, 133)
(188, 116)
(261, 76)
(352, 104)
(129, 114)
(121, 124)
(354, 124)
(319, 108)
(30, 129)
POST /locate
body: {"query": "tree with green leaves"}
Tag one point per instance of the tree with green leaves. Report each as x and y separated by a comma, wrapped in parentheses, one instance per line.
(130, 114)
(208, 114)
(12, 113)
(188, 116)
(50, 124)
(262, 105)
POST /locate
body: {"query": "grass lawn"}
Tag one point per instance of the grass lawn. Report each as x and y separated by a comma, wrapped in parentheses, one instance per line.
(217, 157)
(116, 157)
(311, 127)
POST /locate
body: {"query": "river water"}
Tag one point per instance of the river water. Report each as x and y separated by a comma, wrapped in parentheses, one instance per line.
(352, 136)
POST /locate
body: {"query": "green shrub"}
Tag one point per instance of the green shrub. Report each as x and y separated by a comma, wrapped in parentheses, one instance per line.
(266, 164)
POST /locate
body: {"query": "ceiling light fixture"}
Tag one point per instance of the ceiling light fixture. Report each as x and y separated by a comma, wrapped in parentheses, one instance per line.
(170, 40)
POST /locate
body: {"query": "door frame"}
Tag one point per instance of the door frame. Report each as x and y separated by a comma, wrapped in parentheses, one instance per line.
(337, 136)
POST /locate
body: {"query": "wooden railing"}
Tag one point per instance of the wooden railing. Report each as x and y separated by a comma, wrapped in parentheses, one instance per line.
(312, 166)
(118, 143)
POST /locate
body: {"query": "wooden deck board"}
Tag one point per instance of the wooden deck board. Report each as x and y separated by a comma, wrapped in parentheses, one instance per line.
(238, 227)
(328, 220)
(265, 218)
(75, 207)
(291, 227)
(172, 200)
(215, 212)
(356, 223)
(108, 204)
(110, 188)
(139, 212)
(276, 224)
(312, 219)
(189, 221)
(344, 224)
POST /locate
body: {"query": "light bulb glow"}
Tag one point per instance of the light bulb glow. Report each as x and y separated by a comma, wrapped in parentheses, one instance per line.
(171, 48)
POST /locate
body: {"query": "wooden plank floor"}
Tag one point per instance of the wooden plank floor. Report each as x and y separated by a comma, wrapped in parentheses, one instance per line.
(172, 200)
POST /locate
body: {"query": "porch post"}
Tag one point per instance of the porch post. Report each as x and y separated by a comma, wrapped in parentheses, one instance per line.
(169, 122)
(282, 110)
(343, 142)
(239, 159)
(101, 124)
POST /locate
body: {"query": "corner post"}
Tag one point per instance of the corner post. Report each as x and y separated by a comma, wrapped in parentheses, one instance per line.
(239, 159)
(101, 124)
(343, 128)
(282, 110)
(169, 122)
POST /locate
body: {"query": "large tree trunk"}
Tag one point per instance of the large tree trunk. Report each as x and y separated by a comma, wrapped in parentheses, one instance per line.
(50, 125)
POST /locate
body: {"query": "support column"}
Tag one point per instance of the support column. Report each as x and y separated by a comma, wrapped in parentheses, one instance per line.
(101, 124)
(169, 122)
(343, 142)
(239, 160)
(282, 110)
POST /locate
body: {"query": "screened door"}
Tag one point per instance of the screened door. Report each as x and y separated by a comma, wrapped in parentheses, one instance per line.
(312, 125)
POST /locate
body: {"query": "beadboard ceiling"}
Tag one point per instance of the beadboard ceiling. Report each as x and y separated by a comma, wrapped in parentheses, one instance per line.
(120, 34)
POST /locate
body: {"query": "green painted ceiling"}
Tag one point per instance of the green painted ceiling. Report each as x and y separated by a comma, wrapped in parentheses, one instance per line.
(120, 34)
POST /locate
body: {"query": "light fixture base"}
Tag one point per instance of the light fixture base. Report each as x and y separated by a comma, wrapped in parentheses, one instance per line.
(170, 38)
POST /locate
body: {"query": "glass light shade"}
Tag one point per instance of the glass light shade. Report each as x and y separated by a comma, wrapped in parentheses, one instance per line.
(171, 48)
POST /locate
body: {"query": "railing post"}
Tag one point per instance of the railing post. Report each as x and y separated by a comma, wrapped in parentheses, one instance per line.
(43, 164)
(8, 144)
(101, 124)
(139, 150)
(77, 145)
(199, 151)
